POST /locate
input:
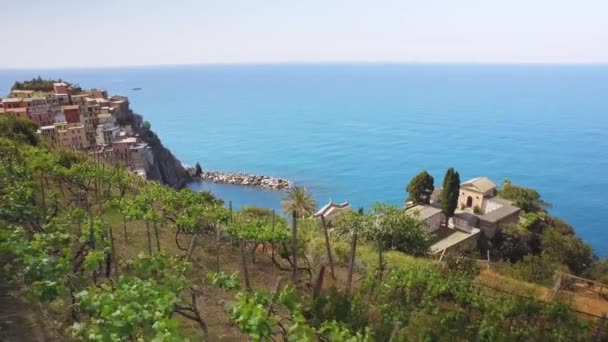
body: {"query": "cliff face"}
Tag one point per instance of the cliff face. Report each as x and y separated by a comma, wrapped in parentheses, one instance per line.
(166, 169)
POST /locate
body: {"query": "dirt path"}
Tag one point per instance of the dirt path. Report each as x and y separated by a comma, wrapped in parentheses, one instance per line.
(17, 321)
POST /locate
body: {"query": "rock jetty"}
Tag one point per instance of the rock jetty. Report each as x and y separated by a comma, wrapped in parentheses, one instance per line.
(266, 182)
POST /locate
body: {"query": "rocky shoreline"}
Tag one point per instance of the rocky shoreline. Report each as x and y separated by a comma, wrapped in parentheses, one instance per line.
(265, 182)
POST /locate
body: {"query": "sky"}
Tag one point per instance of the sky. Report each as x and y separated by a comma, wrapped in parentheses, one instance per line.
(77, 33)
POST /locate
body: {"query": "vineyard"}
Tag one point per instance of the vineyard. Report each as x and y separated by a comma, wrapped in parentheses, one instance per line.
(92, 252)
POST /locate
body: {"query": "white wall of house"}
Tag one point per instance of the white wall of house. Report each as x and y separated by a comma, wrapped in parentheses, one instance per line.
(490, 206)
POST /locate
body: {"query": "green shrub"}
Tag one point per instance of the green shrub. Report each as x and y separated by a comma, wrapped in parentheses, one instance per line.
(225, 281)
(568, 250)
(599, 271)
(463, 266)
(18, 130)
(539, 269)
(527, 199)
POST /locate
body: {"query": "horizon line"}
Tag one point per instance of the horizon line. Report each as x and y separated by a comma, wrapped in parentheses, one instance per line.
(345, 62)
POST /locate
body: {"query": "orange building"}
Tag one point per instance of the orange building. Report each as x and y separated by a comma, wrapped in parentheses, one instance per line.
(61, 88)
(13, 102)
(71, 113)
(71, 136)
(122, 149)
(120, 106)
(42, 119)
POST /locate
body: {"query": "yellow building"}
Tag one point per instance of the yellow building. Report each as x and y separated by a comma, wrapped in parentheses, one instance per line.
(474, 192)
(71, 136)
(21, 93)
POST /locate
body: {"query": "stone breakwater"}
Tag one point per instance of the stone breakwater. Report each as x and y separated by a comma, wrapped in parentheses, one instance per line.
(266, 182)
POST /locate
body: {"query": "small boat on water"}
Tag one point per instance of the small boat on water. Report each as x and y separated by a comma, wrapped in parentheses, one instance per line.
(136, 88)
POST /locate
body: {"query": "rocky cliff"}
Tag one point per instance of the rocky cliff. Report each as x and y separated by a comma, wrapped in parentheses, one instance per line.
(166, 168)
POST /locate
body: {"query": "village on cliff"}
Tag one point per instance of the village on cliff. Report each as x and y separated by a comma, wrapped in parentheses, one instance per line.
(103, 126)
(88, 120)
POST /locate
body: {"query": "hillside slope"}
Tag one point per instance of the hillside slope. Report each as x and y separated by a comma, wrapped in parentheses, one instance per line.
(103, 255)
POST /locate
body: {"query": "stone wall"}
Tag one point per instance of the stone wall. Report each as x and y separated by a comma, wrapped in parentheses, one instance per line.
(433, 222)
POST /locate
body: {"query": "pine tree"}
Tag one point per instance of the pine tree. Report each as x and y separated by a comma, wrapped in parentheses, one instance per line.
(198, 170)
(449, 193)
(420, 188)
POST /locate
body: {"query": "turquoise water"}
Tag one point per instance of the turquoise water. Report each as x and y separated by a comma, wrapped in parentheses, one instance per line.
(360, 132)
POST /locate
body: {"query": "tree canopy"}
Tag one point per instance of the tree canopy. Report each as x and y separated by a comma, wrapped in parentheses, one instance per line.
(527, 199)
(40, 84)
(386, 226)
(551, 242)
(394, 229)
(420, 188)
(298, 200)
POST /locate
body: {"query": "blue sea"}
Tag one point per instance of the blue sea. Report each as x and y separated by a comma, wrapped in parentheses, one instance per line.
(360, 132)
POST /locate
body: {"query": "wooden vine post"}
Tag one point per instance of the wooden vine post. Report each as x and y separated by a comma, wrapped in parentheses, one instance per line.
(217, 245)
(328, 247)
(244, 265)
(272, 242)
(351, 266)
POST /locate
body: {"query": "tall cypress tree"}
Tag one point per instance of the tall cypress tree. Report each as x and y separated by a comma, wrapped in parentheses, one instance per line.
(449, 193)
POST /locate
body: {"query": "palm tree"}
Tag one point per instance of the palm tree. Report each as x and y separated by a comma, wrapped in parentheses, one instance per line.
(299, 203)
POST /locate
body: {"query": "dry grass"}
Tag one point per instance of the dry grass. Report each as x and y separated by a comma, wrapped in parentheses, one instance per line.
(579, 297)
(507, 284)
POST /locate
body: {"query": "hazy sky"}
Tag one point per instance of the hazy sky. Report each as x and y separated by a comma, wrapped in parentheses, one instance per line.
(81, 33)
